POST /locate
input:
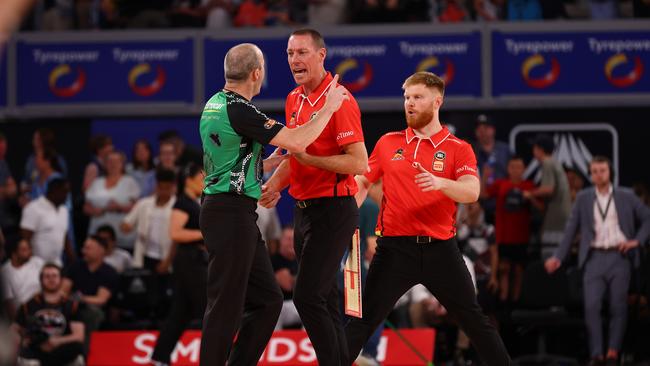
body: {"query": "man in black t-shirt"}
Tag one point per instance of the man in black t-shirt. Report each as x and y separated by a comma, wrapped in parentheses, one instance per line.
(92, 282)
(48, 324)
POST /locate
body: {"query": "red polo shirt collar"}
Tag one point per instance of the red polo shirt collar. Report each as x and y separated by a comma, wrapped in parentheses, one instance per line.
(319, 92)
(435, 140)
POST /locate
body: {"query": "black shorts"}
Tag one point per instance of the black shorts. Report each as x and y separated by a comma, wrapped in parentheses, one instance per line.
(514, 253)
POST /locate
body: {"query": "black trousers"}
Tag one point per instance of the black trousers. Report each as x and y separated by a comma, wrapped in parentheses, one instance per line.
(61, 355)
(242, 291)
(323, 231)
(188, 302)
(399, 264)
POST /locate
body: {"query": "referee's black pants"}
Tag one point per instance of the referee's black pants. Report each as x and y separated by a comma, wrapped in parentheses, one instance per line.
(323, 231)
(188, 302)
(399, 264)
(242, 291)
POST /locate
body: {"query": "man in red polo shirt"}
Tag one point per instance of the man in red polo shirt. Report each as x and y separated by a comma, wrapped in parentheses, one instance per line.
(425, 171)
(322, 182)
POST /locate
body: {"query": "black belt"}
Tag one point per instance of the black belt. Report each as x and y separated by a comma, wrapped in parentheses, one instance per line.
(610, 249)
(307, 203)
(315, 201)
(423, 239)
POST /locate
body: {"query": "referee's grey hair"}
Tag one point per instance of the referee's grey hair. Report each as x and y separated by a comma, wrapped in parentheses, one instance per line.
(240, 61)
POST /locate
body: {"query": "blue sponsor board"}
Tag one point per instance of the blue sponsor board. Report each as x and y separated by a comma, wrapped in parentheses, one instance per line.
(115, 72)
(368, 66)
(279, 81)
(577, 63)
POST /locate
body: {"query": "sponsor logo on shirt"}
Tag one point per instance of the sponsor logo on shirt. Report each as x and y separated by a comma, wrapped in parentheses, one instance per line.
(465, 168)
(344, 134)
(398, 155)
(440, 155)
(438, 166)
(292, 121)
(270, 123)
(213, 107)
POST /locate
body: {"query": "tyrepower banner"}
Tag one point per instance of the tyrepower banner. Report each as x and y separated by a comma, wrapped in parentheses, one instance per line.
(105, 72)
(370, 66)
(284, 348)
(570, 63)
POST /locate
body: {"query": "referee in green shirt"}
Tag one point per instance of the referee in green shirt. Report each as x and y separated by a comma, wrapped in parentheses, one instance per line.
(243, 295)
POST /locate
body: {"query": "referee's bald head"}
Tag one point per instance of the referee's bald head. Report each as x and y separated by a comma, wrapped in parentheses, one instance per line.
(240, 61)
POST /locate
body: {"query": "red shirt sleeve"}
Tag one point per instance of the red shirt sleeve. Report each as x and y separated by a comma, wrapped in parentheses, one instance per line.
(527, 185)
(347, 123)
(465, 162)
(374, 162)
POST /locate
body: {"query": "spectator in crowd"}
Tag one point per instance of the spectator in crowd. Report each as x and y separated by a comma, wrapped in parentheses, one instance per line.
(251, 13)
(269, 223)
(144, 13)
(607, 218)
(111, 197)
(92, 282)
(100, 146)
(491, 155)
(576, 182)
(219, 14)
(20, 276)
(285, 266)
(554, 9)
(641, 8)
(187, 14)
(278, 13)
(45, 221)
(117, 258)
(603, 9)
(141, 168)
(489, 10)
(54, 15)
(8, 191)
(184, 154)
(190, 260)
(554, 190)
(150, 218)
(524, 10)
(167, 157)
(49, 324)
(476, 239)
(47, 168)
(42, 140)
(326, 12)
(452, 11)
(512, 225)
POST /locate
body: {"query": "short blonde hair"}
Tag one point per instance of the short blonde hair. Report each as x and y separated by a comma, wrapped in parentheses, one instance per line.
(428, 79)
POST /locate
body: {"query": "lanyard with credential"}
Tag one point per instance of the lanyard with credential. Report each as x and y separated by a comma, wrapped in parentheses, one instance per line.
(603, 214)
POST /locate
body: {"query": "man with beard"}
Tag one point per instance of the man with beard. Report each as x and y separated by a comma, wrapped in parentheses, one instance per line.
(425, 171)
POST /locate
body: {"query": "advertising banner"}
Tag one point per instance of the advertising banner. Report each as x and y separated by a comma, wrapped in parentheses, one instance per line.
(369, 66)
(570, 63)
(284, 348)
(111, 72)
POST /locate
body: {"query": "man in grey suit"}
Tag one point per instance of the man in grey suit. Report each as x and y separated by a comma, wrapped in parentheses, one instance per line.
(609, 244)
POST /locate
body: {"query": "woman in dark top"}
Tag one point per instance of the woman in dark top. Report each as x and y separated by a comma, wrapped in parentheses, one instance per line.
(190, 260)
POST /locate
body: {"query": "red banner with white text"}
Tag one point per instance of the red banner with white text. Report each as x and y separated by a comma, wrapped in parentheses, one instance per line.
(284, 348)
